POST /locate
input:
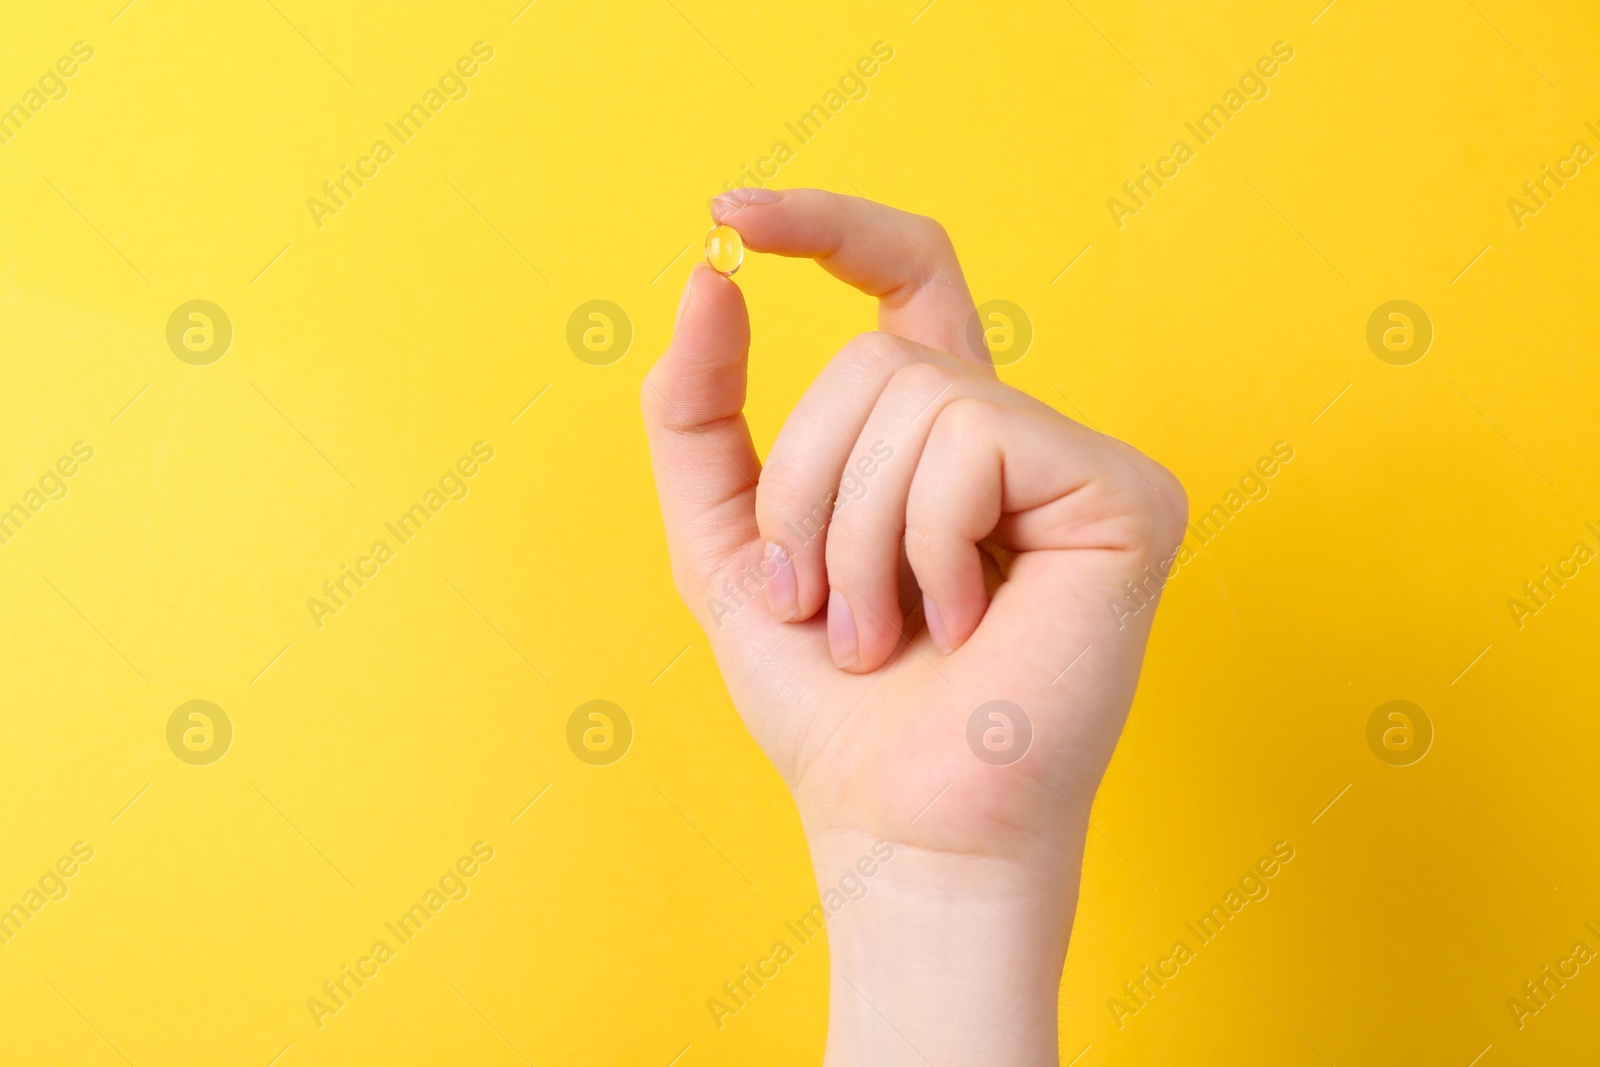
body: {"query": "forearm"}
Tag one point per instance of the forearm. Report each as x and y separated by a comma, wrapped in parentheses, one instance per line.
(948, 960)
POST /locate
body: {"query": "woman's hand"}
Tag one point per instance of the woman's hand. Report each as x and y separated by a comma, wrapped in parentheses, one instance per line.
(922, 543)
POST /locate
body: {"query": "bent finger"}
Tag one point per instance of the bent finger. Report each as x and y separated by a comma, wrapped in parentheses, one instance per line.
(907, 261)
(801, 481)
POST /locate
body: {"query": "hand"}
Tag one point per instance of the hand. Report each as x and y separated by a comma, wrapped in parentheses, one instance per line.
(1018, 526)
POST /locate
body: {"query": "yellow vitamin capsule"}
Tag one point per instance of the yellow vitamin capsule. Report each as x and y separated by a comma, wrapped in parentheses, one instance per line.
(724, 250)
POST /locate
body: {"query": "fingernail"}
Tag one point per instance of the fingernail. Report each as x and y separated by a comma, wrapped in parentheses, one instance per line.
(936, 630)
(725, 204)
(783, 591)
(841, 631)
(683, 301)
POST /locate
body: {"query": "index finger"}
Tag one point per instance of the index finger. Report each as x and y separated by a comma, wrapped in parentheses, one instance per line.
(907, 261)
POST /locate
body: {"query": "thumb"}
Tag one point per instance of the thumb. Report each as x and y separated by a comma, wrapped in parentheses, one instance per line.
(705, 463)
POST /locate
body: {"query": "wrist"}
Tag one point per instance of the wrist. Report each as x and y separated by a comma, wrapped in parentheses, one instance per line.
(943, 957)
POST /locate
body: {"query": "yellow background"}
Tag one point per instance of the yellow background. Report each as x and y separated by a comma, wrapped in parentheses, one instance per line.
(426, 315)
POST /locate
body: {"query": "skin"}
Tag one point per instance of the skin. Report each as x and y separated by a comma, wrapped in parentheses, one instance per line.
(973, 564)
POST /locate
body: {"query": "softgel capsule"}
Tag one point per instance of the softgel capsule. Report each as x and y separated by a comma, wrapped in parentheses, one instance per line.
(724, 250)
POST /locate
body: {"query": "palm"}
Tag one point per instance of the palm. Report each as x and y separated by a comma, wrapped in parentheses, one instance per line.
(888, 754)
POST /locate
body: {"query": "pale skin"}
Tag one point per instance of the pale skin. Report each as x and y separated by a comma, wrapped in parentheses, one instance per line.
(973, 564)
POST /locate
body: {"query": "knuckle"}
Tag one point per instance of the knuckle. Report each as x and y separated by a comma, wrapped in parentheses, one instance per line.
(963, 418)
(689, 583)
(876, 351)
(920, 541)
(1175, 512)
(845, 537)
(932, 231)
(691, 576)
(1167, 506)
(659, 408)
(789, 514)
(852, 546)
(777, 495)
(920, 382)
(649, 396)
